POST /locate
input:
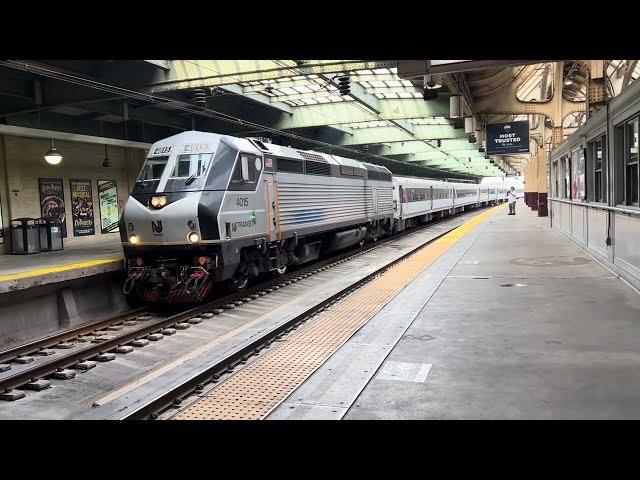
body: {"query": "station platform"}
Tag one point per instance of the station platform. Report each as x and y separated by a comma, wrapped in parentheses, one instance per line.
(513, 321)
(19, 272)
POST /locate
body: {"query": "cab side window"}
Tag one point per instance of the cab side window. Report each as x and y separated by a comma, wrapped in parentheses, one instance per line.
(246, 172)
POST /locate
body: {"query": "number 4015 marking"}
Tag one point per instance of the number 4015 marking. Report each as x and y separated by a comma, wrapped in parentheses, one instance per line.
(242, 201)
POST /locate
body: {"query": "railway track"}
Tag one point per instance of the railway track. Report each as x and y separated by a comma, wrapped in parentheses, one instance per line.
(60, 355)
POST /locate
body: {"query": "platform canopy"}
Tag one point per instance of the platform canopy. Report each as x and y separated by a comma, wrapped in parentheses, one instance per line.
(381, 119)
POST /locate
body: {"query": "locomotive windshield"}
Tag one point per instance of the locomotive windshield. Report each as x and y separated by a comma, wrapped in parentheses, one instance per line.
(191, 166)
(153, 168)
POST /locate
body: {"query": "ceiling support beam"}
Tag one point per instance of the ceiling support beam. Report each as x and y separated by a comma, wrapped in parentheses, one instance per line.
(258, 98)
(350, 112)
(185, 74)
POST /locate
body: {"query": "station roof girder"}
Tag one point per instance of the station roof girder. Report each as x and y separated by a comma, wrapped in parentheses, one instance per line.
(393, 134)
(352, 112)
(185, 74)
(259, 98)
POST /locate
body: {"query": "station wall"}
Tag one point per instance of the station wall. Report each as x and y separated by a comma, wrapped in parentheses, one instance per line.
(22, 164)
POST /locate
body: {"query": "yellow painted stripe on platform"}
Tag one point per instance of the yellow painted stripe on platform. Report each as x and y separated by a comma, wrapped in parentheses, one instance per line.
(256, 390)
(60, 268)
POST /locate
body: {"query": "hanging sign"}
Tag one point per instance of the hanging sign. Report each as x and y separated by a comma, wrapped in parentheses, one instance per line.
(82, 208)
(507, 138)
(108, 195)
(52, 201)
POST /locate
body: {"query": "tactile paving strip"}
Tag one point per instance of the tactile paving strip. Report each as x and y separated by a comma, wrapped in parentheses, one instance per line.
(253, 392)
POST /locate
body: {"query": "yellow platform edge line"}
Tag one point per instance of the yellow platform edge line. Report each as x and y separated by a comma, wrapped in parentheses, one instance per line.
(58, 269)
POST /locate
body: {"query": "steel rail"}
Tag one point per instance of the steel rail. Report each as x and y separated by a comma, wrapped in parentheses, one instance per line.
(33, 346)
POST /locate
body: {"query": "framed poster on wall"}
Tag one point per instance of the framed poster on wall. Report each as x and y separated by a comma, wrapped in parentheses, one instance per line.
(108, 199)
(578, 191)
(82, 207)
(52, 201)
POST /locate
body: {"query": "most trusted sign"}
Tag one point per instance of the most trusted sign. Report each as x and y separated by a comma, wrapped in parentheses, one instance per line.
(507, 138)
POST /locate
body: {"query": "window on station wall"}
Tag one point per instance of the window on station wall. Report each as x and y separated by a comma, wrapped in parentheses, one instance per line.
(631, 181)
(578, 187)
(555, 178)
(597, 169)
(566, 173)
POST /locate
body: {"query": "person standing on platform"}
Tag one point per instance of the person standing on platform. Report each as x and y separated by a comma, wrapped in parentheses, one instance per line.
(512, 197)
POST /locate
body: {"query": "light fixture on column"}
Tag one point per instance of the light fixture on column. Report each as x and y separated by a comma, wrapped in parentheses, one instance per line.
(106, 162)
(432, 82)
(468, 125)
(455, 106)
(53, 157)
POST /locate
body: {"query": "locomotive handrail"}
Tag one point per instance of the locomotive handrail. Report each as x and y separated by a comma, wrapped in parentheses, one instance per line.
(598, 206)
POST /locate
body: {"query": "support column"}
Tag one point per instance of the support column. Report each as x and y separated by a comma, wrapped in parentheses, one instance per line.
(596, 87)
(533, 198)
(528, 182)
(543, 182)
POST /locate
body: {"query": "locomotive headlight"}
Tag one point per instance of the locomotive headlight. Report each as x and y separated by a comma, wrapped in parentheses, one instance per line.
(194, 237)
(158, 202)
(133, 239)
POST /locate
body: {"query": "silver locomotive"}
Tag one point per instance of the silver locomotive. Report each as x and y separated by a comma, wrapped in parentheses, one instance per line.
(210, 209)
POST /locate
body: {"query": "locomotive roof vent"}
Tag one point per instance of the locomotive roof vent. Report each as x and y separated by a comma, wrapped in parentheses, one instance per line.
(260, 142)
(311, 156)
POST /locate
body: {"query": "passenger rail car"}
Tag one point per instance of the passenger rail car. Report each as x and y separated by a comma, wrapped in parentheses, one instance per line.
(209, 209)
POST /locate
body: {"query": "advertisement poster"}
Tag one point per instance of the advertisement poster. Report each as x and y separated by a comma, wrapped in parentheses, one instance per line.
(82, 208)
(108, 195)
(52, 201)
(507, 138)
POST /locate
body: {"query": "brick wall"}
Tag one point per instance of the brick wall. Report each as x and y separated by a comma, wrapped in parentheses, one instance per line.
(22, 163)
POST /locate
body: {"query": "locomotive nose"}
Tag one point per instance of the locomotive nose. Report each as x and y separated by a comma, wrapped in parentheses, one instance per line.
(163, 219)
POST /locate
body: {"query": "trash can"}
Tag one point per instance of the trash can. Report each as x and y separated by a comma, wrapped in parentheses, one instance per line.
(25, 236)
(50, 234)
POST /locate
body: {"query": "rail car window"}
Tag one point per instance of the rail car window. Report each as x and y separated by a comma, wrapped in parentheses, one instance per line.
(631, 162)
(153, 168)
(415, 195)
(440, 193)
(466, 192)
(191, 165)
